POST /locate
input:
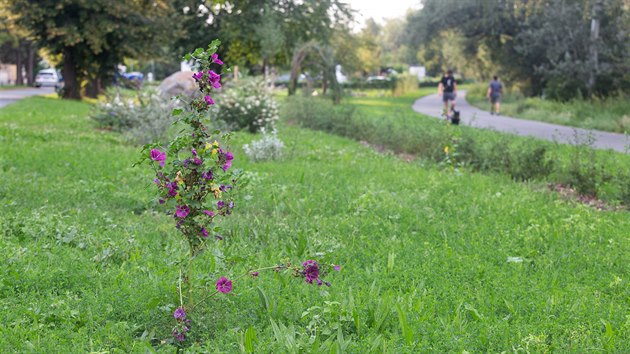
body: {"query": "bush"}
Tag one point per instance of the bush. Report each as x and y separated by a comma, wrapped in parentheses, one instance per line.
(141, 119)
(247, 104)
(269, 147)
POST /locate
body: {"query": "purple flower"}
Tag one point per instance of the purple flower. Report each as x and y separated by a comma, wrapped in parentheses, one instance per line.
(161, 201)
(254, 274)
(231, 205)
(180, 336)
(204, 232)
(209, 213)
(157, 155)
(224, 285)
(311, 271)
(337, 267)
(209, 100)
(180, 314)
(215, 59)
(197, 161)
(207, 175)
(198, 76)
(157, 181)
(220, 204)
(172, 188)
(182, 211)
(228, 159)
(194, 152)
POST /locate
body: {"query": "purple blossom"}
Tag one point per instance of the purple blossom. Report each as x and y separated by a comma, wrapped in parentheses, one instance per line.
(311, 271)
(231, 205)
(182, 211)
(161, 201)
(224, 285)
(157, 155)
(220, 204)
(209, 213)
(337, 267)
(254, 274)
(208, 100)
(194, 151)
(215, 59)
(207, 175)
(198, 76)
(157, 181)
(197, 161)
(180, 336)
(172, 188)
(180, 314)
(228, 156)
(204, 232)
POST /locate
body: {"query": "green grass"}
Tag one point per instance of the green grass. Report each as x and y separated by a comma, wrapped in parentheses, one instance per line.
(608, 114)
(12, 87)
(90, 260)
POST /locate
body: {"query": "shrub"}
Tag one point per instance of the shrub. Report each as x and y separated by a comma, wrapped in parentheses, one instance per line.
(141, 119)
(247, 104)
(269, 147)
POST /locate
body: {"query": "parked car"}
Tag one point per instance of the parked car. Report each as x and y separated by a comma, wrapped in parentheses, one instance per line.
(48, 77)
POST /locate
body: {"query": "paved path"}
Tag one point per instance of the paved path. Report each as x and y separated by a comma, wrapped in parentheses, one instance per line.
(432, 106)
(10, 96)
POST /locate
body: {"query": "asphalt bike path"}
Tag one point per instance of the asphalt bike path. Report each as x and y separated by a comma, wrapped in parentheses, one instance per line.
(432, 106)
(12, 95)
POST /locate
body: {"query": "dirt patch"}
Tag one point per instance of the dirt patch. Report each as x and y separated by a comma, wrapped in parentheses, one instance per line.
(381, 149)
(567, 192)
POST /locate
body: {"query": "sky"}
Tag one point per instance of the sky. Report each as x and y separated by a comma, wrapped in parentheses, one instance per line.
(381, 9)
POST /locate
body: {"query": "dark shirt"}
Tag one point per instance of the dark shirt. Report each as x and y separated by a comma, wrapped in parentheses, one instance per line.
(448, 83)
(496, 88)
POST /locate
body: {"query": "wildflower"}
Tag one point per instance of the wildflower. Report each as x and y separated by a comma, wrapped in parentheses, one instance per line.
(208, 100)
(254, 274)
(446, 150)
(337, 267)
(182, 211)
(198, 76)
(220, 204)
(172, 188)
(157, 155)
(311, 271)
(180, 314)
(209, 213)
(180, 335)
(224, 285)
(231, 205)
(228, 159)
(197, 161)
(204, 232)
(214, 79)
(194, 151)
(207, 175)
(215, 59)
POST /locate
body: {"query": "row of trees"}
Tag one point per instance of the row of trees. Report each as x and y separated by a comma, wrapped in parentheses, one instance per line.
(89, 38)
(559, 48)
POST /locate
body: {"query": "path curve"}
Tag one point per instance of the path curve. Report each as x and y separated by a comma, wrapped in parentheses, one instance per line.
(432, 106)
(10, 96)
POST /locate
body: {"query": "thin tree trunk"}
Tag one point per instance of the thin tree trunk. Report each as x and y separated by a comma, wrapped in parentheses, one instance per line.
(72, 88)
(19, 80)
(30, 64)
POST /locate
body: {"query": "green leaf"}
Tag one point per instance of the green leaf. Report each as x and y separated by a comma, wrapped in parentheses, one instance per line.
(250, 339)
(177, 111)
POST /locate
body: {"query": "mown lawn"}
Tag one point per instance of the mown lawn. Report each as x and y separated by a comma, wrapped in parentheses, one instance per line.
(432, 260)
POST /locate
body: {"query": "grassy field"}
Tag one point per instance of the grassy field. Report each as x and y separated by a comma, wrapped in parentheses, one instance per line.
(609, 114)
(432, 260)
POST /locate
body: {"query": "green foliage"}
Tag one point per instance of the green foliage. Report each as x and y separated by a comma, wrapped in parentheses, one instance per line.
(143, 118)
(92, 36)
(247, 104)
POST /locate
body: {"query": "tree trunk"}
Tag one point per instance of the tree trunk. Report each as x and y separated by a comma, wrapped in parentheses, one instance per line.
(72, 87)
(30, 64)
(18, 65)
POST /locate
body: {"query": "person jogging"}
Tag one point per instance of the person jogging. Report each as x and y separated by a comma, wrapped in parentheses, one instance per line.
(494, 94)
(448, 89)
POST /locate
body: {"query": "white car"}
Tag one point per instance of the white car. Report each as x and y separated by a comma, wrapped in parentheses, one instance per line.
(47, 77)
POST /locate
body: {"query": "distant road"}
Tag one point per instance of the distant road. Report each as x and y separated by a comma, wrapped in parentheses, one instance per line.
(432, 106)
(10, 96)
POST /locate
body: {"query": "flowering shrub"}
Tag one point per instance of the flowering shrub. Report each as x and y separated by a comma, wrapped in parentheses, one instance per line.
(142, 119)
(269, 147)
(195, 181)
(248, 104)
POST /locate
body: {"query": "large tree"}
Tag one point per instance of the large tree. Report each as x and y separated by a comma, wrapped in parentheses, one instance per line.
(92, 36)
